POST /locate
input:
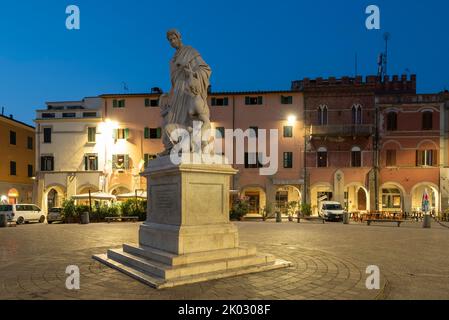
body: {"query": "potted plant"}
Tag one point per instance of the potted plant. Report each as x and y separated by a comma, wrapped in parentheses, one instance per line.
(69, 211)
(292, 209)
(306, 210)
(240, 209)
(267, 211)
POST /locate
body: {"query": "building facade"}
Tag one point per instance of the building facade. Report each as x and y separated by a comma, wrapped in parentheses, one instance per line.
(127, 131)
(17, 165)
(370, 144)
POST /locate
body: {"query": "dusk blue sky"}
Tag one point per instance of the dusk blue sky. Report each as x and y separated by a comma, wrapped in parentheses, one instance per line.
(250, 45)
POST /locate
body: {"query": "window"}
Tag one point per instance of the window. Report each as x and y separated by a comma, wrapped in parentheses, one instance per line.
(12, 138)
(91, 162)
(427, 120)
(288, 132)
(121, 134)
(48, 115)
(155, 133)
(12, 168)
(322, 158)
(152, 133)
(147, 158)
(120, 162)
(69, 115)
(30, 171)
(151, 103)
(356, 157)
(426, 158)
(357, 114)
(252, 101)
(47, 135)
(392, 121)
(254, 132)
(286, 100)
(91, 135)
(220, 102)
(118, 103)
(47, 163)
(89, 114)
(253, 160)
(322, 115)
(30, 143)
(391, 199)
(288, 160)
(391, 158)
(219, 133)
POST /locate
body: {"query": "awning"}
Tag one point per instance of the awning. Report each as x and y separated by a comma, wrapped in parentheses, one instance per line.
(132, 195)
(95, 196)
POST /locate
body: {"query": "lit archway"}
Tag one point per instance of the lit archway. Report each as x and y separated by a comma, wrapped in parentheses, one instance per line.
(417, 194)
(320, 192)
(392, 197)
(13, 196)
(257, 199)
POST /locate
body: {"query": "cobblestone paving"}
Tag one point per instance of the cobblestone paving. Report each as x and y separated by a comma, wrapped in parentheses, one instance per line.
(327, 264)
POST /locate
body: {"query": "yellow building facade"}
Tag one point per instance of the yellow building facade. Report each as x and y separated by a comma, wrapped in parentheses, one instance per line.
(17, 163)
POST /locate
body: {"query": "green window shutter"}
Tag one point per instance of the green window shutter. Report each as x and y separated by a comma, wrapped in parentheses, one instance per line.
(126, 134)
(260, 100)
(145, 160)
(96, 164)
(86, 163)
(114, 104)
(226, 101)
(114, 161)
(214, 101)
(114, 134)
(247, 101)
(126, 161)
(147, 133)
(147, 102)
(159, 133)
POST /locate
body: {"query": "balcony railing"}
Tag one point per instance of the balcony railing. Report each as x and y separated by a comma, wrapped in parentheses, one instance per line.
(342, 130)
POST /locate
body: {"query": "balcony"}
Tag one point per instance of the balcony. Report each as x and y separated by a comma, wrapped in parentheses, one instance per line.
(342, 131)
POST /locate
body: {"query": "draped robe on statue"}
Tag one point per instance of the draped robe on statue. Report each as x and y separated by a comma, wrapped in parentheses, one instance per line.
(181, 96)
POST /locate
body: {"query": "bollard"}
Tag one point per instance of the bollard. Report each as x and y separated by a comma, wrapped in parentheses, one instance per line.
(85, 218)
(278, 217)
(3, 220)
(346, 218)
(427, 221)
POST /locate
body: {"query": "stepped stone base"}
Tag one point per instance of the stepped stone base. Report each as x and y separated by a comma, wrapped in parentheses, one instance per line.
(187, 237)
(164, 270)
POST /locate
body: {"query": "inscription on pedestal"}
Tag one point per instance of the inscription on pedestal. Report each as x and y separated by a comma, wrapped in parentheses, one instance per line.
(164, 204)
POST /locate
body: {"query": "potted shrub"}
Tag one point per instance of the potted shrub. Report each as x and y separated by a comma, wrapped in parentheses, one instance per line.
(267, 211)
(240, 209)
(69, 211)
(306, 210)
(292, 209)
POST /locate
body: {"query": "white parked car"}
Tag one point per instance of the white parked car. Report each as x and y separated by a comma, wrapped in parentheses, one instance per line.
(21, 213)
(331, 211)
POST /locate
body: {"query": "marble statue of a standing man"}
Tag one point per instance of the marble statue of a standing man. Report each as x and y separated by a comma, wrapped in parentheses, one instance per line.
(187, 100)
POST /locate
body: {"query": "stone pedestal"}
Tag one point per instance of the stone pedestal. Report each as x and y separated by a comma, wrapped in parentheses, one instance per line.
(188, 237)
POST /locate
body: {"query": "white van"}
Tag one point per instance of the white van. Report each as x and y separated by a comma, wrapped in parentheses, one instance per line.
(21, 213)
(331, 211)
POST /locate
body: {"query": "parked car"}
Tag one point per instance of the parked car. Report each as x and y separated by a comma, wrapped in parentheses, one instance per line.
(55, 215)
(21, 213)
(331, 211)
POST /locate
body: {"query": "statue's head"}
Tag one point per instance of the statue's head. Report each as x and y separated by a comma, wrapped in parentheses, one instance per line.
(174, 37)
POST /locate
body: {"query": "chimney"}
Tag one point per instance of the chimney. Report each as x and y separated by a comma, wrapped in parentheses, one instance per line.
(11, 116)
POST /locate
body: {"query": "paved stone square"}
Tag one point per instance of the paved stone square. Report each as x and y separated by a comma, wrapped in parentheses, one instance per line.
(329, 262)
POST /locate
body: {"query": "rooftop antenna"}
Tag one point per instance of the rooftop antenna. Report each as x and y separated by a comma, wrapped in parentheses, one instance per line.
(125, 87)
(387, 37)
